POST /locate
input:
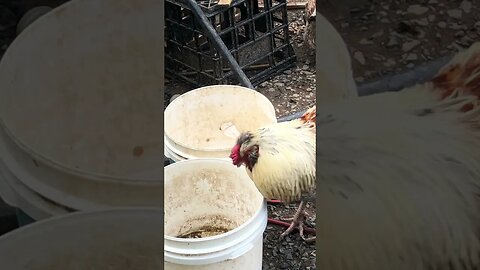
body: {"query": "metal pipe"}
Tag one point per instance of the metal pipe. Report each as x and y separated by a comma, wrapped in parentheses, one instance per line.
(219, 44)
(393, 83)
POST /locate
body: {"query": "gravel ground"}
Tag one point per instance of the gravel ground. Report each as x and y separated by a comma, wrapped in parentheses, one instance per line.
(384, 37)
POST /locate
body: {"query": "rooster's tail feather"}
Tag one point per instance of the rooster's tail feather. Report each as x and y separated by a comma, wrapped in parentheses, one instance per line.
(310, 116)
(461, 79)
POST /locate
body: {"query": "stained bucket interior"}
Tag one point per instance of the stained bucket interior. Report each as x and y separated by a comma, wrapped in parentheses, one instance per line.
(207, 197)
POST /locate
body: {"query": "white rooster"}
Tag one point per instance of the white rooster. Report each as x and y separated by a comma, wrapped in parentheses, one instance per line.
(272, 154)
(399, 175)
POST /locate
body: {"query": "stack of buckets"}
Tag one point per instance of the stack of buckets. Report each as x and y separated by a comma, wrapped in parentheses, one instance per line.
(66, 108)
(79, 101)
(201, 127)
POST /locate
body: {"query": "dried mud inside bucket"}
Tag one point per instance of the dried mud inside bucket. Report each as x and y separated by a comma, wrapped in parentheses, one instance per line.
(213, 225)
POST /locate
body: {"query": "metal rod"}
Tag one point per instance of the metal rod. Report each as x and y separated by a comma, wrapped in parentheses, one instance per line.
(397, 82)
(392, 83)
(219, 45)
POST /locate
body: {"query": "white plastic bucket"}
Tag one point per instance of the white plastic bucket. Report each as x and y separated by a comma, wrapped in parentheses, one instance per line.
(212, 192)
(118, 239)
(205, 122)
(80, 108)
(18, 195)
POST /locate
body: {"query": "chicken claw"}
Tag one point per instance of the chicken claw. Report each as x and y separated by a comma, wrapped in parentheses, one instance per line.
(296, 222)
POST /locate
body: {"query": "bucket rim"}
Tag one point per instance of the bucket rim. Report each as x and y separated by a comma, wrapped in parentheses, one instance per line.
(243, 88)
(80, 215)
(99, 177)
(183, 155)
(239, 247)
(257, 213)
(33, 203)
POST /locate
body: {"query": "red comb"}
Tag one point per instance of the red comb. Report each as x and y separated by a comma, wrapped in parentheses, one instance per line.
(234, 155)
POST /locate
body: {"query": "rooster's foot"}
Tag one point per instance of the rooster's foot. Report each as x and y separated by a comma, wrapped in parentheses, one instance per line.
(297, 222)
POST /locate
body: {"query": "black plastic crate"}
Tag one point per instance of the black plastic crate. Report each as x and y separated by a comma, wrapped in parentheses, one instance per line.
(257, 37)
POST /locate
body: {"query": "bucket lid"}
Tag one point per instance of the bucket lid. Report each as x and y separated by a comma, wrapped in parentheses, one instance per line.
(103, 98)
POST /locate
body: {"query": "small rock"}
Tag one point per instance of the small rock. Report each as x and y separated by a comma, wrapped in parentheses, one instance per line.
(410, 65)
(422, 22)
(378, 34)
(365, 41)
(308, 73)
(455, 13)
(359, 79)
(279, 84)
(359, 57)
(389, 63)
(305, 67)
(421, 34)
(442, 25)
(392, 42)
(431, 18)
(417, 9)
(271, 90)
(385, 20)
(459, 34)
(345, 25)
(466, 6)
(477, 25)
(433, 2)
(456, 26)
(408, 46)
(411, 57)
(382, 13)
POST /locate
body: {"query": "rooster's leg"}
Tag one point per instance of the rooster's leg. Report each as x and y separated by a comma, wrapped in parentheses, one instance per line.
(296, 222)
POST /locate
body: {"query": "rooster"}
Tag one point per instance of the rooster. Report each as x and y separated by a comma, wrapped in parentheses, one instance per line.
(280, 159)
(399, 175)
(335, 78)
(399, 172)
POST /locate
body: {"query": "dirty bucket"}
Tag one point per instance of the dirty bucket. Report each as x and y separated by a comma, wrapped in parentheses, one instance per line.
(121, 239)
(79, 104)
(205, 122)
(217, 203)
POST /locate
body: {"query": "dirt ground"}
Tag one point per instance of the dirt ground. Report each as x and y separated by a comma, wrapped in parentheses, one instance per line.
(384, 37)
